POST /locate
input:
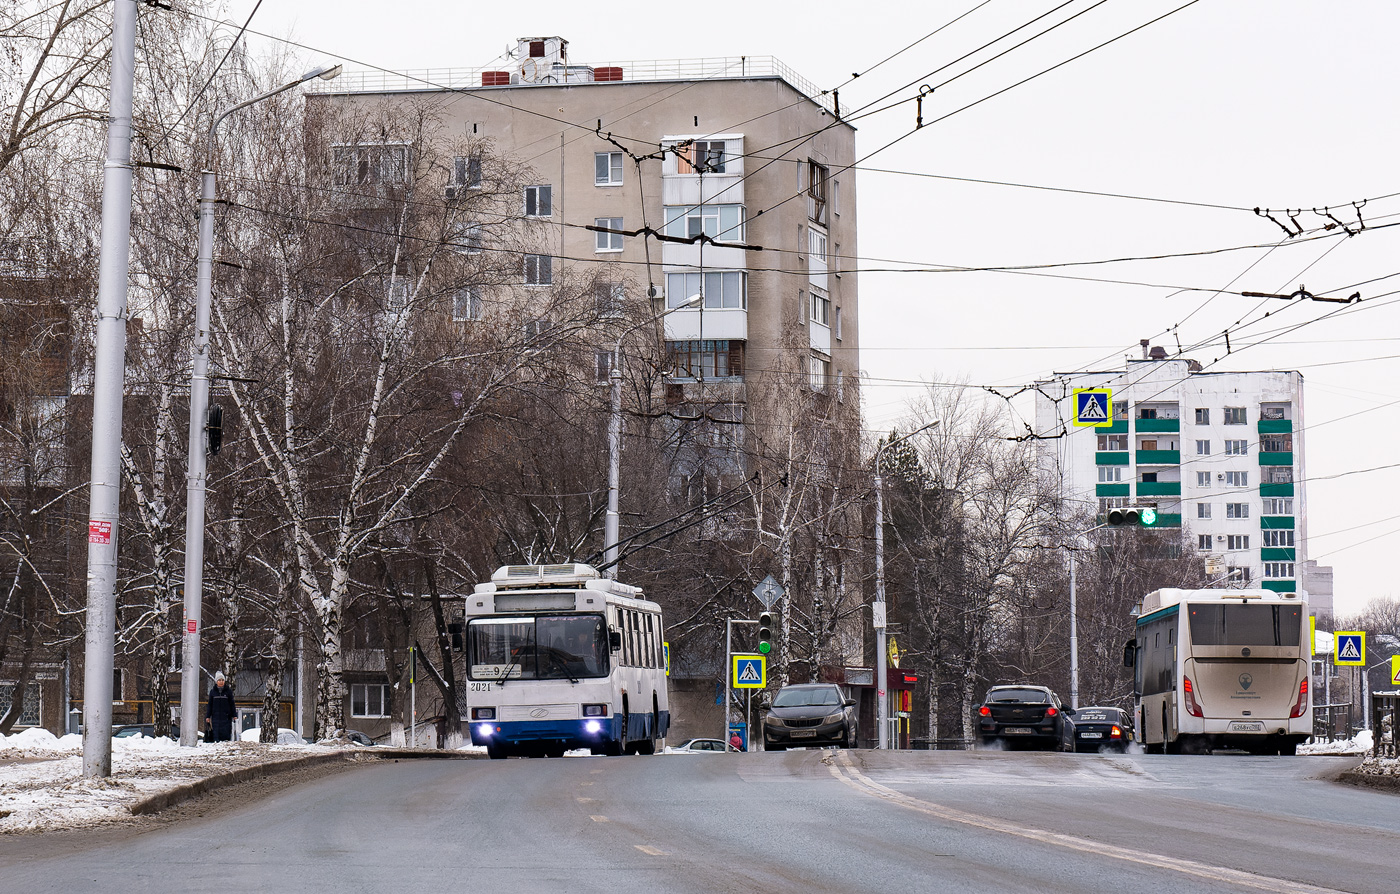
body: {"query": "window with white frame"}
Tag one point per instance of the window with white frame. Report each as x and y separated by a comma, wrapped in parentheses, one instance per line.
(607, 169)
(539, 270)
(1278, 505)
(1240, 573)
(369, 699)
(1112, 442)
(1110, 473)
(1276, 443)
(536, 329)
(379, 164)
(608, 298)
(465, 237)
(816, 244)
(1202, 416)
(1203, 542)
(836, 322)
(1203, 448)
(1237, 541)
(817, 175)
(466, 171)
(1203, 479)
(1278, 538)
(821, 373)
(722, 223)
(835, 262)
(706, 358)
(1276, 474)
(1202, 510)
(1237, 510)
(836, 197)
(466, 305)
(1237, 448)
(1237, 479)
(607, 241)
(821, 308)
(539, 201)
(1236, 416)
(602, 365)
(722, 289)
(1278, 570)
(700, 157)
(1107, 503)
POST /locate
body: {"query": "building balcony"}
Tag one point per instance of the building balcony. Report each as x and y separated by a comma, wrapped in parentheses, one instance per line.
(1277, 523)
(1159, 457)
(1111, 490)
(1118, 427)
(1276, 459)
(1159, 488)
(1157, 425)
(1280, 586)
(1278, 554)
(1283, 489)
(1275, 426)
(1111, 457)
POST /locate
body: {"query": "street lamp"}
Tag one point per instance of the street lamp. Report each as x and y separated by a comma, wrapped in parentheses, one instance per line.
(199, 407)
(877, 611)
(610, 520)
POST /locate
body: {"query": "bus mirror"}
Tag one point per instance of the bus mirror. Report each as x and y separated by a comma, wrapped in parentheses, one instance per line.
(1130, 653)
(615, 640)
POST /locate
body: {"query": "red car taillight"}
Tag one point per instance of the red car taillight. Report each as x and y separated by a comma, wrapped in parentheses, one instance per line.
(1192, 706)
(1051, 711)
(1115, 733)
(985, 711)
(1302, 704)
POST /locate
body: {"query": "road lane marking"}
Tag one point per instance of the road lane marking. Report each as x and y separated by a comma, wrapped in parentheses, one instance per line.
(586, 800)
(848, 774)
(598, 819)
(648, 849)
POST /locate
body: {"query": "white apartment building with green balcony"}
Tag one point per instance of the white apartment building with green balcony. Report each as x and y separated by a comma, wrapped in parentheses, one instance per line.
(1218, 454)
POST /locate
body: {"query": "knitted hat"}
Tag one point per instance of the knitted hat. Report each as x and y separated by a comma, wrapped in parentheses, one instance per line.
(219, 677)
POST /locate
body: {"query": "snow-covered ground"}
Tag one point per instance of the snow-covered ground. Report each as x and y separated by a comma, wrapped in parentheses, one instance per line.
(1359, 744)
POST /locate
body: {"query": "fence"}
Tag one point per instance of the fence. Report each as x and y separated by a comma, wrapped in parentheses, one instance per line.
(1332, 723)
(1383, 717)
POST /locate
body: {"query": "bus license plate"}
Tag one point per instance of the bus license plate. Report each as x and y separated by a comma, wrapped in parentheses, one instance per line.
(804, 734)
(1018, 731)
(1246, 726)
(1091, 735)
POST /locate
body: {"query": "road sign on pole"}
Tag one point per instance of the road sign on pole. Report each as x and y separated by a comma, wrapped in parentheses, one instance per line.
(1093, 406)
(1351, 649)
(750, 671)
(768, 591)
(1395, 670)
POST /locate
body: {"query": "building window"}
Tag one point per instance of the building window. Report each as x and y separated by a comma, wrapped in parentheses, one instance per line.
(539, 270)
(836, 197)
(607, 169)
(1278, 505)
(836, 258)
(1107, 503)
(1203, 479)
(1278, 538)
(369, 700)
(466, 172)
(1276, 443)
(465, 237)
(29, 712)
(816, 244)
(1278, 570)
(608, 298)
(466, 305)
(602, 365)
(836, 322)
(1202, 510)
(607, 241)
(722, 223)
(536, 329)
(1233, 572)
(1149, 477)
(721, 289)
(539, 201)
(1113, 442)
(1146, 412)
(700, 157)
(706, 359)
(1237, 479)
(1236, 416)
(821, 308)
(1237, 541)
(1110, 473)
(1274, 412)
(376, 165)
(1202, 416)
(1203, 542)
(816, 191)
(1276, 474)
(1203, 448)
(1237, 448)
(1237, 510)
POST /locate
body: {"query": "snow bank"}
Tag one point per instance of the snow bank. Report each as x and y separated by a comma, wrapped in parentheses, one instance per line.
(1361, 743)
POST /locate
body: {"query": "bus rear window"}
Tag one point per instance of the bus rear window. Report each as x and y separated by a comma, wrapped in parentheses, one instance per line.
(1246, 625)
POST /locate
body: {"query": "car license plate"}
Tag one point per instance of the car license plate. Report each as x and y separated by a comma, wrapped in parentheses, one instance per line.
(804, 734)
(1091, 735)
(1246, 726)
(1018, 731)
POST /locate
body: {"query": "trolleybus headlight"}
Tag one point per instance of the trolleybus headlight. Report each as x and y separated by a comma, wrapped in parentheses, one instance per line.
(483, 713)
(595, 710)
(485, 730)
(592, 726)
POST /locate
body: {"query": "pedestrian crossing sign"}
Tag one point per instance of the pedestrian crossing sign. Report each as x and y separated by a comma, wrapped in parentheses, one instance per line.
(1351, 648)
(1093, 406)
(750, 671)
(1395, 670)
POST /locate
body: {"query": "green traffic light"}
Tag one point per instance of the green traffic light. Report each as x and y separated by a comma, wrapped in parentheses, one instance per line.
(765, 647)
(1148, 518)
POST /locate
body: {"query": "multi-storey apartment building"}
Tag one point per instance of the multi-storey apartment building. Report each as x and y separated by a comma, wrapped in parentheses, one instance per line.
(1218, 454)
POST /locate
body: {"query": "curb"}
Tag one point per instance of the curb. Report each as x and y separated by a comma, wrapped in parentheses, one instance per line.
(1371, 780)
(178, 795)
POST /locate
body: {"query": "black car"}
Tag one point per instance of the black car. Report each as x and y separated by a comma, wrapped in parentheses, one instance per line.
(810, 714)
(1024, 714)
(1102, 729)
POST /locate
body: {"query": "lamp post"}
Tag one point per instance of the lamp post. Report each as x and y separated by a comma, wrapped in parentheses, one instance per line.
(877, 611)
(610, 520)
(199, 406)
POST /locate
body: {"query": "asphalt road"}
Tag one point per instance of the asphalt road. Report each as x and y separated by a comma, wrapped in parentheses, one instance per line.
(804, 821)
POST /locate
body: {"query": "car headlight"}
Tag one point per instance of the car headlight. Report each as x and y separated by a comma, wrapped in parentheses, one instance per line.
(834, 718)
(772, 721)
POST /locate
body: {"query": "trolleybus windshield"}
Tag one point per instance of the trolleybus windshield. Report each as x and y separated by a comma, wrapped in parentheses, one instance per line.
(537, 647)
(1246, 625)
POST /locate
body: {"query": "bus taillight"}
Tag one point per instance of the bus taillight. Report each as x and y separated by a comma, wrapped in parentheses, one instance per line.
(1192, 706)
(1302, 704)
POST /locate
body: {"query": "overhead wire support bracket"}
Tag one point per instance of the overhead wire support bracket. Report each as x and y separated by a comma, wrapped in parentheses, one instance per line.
(1283, 226)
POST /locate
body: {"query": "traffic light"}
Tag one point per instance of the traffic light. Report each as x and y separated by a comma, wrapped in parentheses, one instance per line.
(1138, 516)
(765, 633)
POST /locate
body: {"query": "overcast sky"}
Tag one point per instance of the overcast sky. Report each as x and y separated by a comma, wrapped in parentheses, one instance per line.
(1222, 107)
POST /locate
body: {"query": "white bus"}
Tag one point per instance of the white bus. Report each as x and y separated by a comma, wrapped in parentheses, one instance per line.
(1221, 668)
(559, 658)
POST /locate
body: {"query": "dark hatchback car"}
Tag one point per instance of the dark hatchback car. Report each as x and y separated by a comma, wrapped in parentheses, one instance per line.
(1025, 715)
(1102, 729)
(810, 714)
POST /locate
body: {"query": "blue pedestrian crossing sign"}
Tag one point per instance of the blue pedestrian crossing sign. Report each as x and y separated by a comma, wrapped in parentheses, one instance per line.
(750, 671)
(1351, 648)
(1093, 406)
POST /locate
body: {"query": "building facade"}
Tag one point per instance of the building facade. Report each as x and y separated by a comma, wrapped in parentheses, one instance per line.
(1218, 454)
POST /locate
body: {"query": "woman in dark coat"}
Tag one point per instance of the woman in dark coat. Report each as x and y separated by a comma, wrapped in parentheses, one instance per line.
(218, 716)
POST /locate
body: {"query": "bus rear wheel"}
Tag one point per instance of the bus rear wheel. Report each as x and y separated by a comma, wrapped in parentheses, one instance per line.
(495, 752)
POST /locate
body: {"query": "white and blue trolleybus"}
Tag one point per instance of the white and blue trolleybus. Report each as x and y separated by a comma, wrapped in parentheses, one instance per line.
(559, 658)
(1221, 668)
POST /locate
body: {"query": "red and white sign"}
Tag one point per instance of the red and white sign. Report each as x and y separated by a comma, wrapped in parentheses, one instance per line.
(192, 626)
(99, 531)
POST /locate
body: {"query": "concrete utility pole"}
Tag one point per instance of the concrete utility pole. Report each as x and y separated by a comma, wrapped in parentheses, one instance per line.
(199, 411)
(877, 611)
(108, 384)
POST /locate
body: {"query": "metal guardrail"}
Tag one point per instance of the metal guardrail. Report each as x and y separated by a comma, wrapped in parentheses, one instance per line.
(701, 69)
(1385, 711)
(1332, 723)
